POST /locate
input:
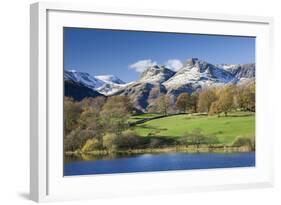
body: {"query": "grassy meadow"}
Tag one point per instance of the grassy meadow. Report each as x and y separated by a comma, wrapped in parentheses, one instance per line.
(226, 129)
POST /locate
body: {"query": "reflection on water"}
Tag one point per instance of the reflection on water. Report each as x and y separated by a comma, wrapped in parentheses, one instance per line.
(124, 163)
(90, 157)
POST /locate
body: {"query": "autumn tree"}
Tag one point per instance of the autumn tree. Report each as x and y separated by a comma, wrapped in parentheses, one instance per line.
(90, 119)
(215, 109)
(205, 99)
(76, 139)
(163, 104)
(94, 105)
(183, 102)
(246, 95)
(225, 99)
(115, 113)
(71, 114)
(91, 111)
(194, 102)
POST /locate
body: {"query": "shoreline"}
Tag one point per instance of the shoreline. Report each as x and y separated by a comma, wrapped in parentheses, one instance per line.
(224, 149)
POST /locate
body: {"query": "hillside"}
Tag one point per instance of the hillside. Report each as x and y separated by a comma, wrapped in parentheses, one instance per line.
(78, 91)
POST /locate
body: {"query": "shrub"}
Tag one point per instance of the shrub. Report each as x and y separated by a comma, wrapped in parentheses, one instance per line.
(212, 140)
(185, 139)
(91, 145)
(243, 141)
(128, 139)
(109, 141)
(155, 143)
(197, 138)
(76, 139)
(253, 140)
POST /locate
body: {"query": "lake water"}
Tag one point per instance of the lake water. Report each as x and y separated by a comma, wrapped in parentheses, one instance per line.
(156, 162)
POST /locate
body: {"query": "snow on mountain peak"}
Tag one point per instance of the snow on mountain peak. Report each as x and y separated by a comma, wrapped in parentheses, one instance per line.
(240, 70)
(105, 84)
(156, 74)
(83, 78)
(193, 75)
(191, 61)
(198, 72)
(110, 79)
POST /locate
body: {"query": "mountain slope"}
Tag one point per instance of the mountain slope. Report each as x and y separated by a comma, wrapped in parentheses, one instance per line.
(240, 71)
(83, 78)
(110, 79)
(199, 73)
(112, 84)
(78, 91)
(156, 74)
(111, 88)
(105, 84)
(140, 93)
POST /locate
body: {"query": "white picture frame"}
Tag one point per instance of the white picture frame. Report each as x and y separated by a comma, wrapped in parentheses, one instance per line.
(46, 179)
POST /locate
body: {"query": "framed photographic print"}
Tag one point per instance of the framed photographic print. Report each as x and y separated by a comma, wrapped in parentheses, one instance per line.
(127, 102)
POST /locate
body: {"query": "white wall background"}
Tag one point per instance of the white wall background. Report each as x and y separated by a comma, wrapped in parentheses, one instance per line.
(14, 103)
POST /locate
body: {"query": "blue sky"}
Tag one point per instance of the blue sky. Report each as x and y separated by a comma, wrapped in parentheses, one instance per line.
(126, 53)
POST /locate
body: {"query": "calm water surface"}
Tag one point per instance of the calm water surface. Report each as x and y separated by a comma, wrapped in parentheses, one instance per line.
(155, 162)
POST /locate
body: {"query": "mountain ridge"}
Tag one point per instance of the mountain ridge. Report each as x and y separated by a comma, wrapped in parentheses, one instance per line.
(195, 74)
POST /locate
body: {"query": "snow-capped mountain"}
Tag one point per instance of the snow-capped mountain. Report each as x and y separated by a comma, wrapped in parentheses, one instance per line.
(83, 78)
(112, 88)
(240, 71)
(112, 84)
(196, 72)
(156, 74)
(228, 67)
(105, 84)
(111, 79)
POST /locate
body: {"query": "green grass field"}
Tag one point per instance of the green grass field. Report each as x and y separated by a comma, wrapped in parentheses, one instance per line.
(225, 128)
